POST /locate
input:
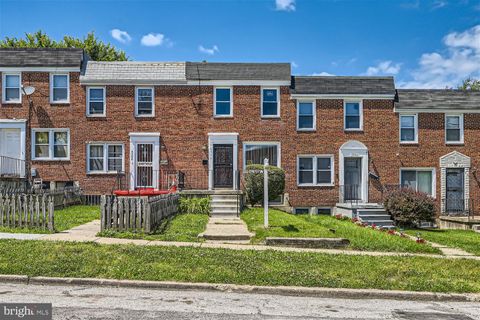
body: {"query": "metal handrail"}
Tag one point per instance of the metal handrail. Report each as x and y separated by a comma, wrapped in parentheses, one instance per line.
(12, 167)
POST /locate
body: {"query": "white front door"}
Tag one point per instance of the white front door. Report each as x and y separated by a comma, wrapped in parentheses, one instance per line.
(144, 160)
(12, 147)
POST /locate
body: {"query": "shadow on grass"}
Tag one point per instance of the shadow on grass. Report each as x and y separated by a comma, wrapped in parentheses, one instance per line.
(290, 228)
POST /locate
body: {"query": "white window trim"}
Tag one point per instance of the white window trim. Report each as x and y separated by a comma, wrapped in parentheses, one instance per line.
(263, 143)
(52, 74)
(4, 88)
(51, 144)
(105, 157)
(462, 138)
(360, 110)
(416, 169)
(315, 169)
(215, 103)
(278, 102)
(104, 114)
(153, 103)
(415, 123)
(314, 110)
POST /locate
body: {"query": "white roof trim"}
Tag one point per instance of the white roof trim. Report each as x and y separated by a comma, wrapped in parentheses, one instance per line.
(343, 96)
(13, 120)
(435, 110)
(274, 83)
(130, 82)
(40, 69)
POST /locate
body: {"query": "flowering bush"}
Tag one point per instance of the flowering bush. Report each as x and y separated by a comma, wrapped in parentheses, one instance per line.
(409, 207)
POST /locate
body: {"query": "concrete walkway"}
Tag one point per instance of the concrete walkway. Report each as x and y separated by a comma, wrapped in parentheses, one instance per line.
(88, 233)
(226, 230)
(446, 250)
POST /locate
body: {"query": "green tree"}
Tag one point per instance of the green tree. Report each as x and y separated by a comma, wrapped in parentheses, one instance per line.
(470, 84)
(95, 48)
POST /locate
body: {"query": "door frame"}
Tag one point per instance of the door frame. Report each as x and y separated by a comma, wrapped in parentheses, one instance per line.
(139, 138)
(222, 138)
(355, 149)
(22, 125)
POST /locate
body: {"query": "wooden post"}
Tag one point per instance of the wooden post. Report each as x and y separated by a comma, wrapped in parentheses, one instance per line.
(37, 211)
(1, 210)
(102, 212)
(115, 213)
(25, 209)
(7, 210)
(127, 213)
(148, 218)
(20, 207)
(44, 212)
(14, 213)
(51, 223)
(265, 193)
(109, 213)
(30, 208)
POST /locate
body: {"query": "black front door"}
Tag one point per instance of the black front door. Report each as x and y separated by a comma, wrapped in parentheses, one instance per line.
(223, 166)
(455, 191)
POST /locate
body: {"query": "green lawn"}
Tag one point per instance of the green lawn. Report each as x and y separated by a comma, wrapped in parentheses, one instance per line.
(188, 264)
(288, 225)
(467, 240)
(64, 219)
(182, 227)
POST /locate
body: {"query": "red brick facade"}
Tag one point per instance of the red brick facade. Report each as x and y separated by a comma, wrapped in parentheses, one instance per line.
(184, 117)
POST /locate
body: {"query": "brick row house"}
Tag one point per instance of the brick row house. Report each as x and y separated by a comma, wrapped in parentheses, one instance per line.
(105, 126)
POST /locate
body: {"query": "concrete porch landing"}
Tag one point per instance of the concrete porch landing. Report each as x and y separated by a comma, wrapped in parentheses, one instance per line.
(226, 230)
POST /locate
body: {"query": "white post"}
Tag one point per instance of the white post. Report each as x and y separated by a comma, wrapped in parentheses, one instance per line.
(265, 193)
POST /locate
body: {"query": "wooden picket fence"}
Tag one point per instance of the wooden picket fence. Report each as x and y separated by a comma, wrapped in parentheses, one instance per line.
(27, 211)
(136, 214)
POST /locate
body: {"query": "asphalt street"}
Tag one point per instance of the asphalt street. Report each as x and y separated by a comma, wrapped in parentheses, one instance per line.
(87, 302)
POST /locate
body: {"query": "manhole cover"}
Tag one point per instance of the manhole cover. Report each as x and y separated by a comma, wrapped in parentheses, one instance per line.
(430, 316)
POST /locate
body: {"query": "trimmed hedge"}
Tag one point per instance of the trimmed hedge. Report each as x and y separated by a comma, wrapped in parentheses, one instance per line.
(254, 183)
(409, 207)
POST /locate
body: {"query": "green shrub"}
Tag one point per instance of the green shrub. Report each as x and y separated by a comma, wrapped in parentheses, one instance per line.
(194, 205)
(409, 207)
(254, 183)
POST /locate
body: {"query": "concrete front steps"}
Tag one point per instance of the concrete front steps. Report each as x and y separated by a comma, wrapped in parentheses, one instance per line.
(370, 213)
(225, 205)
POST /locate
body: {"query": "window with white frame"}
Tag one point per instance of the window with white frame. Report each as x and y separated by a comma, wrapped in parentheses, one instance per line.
(144, 102)
(422, 180)
(270, 102)
(105, 158)
(353, 115)
(12, 86)
(223, 102)
(96, 101)
(306, 116)
(408, 128)
(59, 88)
(315, 170)
(256, 152)
(51, 144)
(454, 128)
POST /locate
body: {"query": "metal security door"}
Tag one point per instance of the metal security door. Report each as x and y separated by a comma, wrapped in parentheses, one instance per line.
(223, 166)
(144, 165)
(455, 191)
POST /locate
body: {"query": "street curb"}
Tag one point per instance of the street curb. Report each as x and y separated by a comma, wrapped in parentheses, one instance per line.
(280, 290)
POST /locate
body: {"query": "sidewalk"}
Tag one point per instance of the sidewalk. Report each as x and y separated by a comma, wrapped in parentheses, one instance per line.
(88, 233)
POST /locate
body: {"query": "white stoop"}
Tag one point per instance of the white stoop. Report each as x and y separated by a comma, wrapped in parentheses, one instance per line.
(225, 205)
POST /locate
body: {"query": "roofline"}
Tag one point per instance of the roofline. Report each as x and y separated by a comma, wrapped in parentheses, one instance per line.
(73, 68)
(343, 96)
(346, 77)
(130, 82)
(435, 110)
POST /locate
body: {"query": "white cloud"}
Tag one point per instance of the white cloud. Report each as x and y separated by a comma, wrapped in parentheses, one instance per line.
(384, 67)
(439, 4)
(120, 35)
(154, 39)
(210, 51)
(294, 64)
(285, 5)
(322, 74)
(460, 59)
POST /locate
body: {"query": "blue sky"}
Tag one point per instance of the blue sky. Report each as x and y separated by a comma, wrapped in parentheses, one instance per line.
(423, 43)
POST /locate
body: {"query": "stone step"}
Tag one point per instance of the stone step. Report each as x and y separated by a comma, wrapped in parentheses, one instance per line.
(227, 197)
(372, 210)
(224, 237)
(222, 205)
(380, 223)
(224, 202)
(224, 209)
(375, 217)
